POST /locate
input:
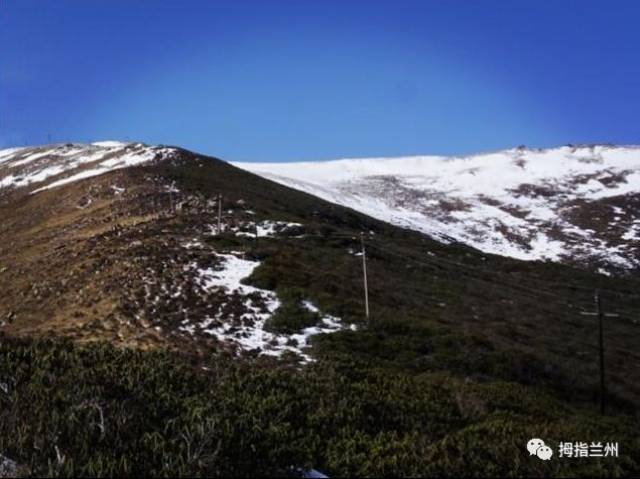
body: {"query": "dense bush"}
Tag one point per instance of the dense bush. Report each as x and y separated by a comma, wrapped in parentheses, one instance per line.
(292, 316)
(100, 411)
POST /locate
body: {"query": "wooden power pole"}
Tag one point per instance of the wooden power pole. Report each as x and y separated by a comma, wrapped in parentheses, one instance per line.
(598, 302)
(364, 275)
(219, 214)
(601, 315)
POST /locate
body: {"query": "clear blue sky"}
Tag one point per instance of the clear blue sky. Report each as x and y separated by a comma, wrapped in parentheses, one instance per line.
(274, 80)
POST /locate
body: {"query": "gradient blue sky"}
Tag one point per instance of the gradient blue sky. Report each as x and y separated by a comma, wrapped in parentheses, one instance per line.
(274, 80)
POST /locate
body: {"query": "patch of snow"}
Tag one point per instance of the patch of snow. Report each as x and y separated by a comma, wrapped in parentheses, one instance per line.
(8, 153)
(633, 234)
(264, 229)
(109, 144)
(31, 158)
(260, 305)
(192, 244)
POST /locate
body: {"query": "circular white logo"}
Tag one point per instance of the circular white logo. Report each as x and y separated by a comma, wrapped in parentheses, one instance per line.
(538, 448)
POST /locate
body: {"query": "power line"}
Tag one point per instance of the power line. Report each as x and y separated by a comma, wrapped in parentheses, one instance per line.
(537, 291)
(545, 282)
(430, 263)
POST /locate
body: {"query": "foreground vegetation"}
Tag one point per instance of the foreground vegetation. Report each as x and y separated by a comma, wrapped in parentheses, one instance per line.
(96, 410)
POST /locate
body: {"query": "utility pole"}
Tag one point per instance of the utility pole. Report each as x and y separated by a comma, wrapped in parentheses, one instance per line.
(601, 315)
(219, 214)
(598, 302)
(364, 274)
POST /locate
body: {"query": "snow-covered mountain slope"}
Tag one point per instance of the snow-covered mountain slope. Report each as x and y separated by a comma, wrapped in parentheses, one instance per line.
(569, 204)
(49, 166)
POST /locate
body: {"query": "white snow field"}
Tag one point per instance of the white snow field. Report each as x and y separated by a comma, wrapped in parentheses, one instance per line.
(563, 204)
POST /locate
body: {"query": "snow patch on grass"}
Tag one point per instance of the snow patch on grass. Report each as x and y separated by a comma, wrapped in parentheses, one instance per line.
(264, 229)
(259, 305)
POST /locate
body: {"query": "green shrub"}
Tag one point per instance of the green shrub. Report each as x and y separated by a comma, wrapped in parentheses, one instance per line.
(292, 316)
(96, 410)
